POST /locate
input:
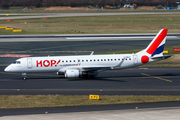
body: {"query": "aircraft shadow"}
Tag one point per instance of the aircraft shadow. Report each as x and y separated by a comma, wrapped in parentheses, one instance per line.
(97, 79)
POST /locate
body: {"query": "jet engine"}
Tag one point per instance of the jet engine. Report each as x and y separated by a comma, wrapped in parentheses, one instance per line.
(72, 74)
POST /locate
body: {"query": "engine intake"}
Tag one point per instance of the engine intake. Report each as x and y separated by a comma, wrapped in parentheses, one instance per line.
(72, 74)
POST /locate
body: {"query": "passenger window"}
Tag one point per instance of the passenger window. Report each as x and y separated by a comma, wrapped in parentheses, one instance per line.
(91, 60)
(70, 61)
(66, 61)
(98, 60)
(104, 59)
(101, 59)
(74, 61)
(114, 59)
(63, 61)
(82, 60)
(86, 60)
(94, 60)
(119, 59)
(111, 59)
(108, 59)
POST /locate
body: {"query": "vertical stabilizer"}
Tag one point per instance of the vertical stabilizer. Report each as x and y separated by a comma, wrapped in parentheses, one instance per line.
(156, 47)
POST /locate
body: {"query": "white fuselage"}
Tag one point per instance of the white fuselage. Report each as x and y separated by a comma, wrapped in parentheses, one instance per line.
(62, 63)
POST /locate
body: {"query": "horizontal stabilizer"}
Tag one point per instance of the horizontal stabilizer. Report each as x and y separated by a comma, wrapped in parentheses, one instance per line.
(163, 56)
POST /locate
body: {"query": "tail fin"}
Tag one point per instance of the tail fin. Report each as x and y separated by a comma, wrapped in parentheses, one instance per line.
(156, 47)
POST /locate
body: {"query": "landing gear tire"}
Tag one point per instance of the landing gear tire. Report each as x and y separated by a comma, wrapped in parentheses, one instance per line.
(24, 78)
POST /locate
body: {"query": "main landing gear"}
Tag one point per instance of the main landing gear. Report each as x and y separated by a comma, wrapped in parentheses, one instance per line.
(24, 77)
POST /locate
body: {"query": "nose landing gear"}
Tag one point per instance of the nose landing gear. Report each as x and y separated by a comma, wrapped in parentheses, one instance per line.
(24, 77)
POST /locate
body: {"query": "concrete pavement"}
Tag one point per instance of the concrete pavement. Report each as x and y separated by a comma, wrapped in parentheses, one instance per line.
(171, 113)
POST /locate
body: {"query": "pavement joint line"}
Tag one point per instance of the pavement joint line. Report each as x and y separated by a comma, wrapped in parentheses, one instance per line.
(56, 47)
(157, 77)
(78, 38)
(69, 45)
(104, 90)
(6, 52)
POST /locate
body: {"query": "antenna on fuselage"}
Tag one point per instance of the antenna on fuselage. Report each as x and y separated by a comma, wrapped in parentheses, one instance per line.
(92, 53)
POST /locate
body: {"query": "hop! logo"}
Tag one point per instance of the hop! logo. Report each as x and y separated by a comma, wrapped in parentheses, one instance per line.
(47, 63)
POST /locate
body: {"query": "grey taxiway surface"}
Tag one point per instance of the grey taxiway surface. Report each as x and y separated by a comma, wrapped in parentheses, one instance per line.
(146, 111)
(134, 81)
(83, 38)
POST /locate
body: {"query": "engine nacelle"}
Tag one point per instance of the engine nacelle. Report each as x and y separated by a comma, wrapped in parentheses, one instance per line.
(72, 74)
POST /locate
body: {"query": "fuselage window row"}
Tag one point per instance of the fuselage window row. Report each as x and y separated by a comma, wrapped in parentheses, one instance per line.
(93, 60)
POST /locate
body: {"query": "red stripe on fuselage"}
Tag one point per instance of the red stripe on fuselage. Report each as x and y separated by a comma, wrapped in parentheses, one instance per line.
(157, 42)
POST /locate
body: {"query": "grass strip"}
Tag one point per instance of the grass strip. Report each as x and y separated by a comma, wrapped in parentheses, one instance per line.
(95, 24)
(37, 101)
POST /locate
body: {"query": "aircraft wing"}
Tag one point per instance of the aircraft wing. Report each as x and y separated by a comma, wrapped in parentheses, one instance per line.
(85, 68)
(95, 68)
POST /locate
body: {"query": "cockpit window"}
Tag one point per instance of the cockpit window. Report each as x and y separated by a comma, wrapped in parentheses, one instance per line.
(16, 62)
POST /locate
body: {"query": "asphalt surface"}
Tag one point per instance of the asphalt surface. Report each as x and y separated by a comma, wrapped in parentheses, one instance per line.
(76, 109)
(133, 81)
(167, 113)
(42, 15)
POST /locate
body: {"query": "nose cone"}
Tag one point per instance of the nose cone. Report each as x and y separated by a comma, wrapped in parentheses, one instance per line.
(8, 69)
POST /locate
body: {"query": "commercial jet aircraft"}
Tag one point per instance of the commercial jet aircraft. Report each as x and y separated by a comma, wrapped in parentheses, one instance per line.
(87, 65)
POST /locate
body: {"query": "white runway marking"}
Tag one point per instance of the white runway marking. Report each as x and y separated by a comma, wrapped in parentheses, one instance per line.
(145, 37)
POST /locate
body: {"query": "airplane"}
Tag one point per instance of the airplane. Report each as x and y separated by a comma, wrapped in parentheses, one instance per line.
(90, 65)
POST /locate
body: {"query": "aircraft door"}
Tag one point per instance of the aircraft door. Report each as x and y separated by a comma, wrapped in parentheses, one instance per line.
(135, 59)
(29, 62)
